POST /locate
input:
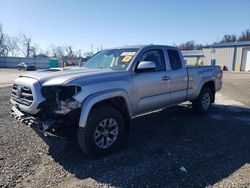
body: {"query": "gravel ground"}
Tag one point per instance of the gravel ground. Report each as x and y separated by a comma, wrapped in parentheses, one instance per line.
(213, 149)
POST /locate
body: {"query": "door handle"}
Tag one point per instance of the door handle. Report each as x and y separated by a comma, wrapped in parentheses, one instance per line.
(165, 78)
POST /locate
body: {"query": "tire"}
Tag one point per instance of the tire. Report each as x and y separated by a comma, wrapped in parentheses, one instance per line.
(204, 101)
(99, 121)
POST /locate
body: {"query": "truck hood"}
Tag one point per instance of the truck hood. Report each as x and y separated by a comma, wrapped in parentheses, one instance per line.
(55, 76)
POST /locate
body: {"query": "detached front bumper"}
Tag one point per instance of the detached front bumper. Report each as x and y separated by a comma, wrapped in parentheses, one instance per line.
(24, 118)
(31, 121)
(42, 129)
(48, 127)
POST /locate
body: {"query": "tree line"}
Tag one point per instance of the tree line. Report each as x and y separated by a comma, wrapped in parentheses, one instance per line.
(22, 45)
(191, 45)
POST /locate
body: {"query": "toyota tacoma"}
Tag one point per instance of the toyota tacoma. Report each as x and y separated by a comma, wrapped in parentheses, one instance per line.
(99, 98)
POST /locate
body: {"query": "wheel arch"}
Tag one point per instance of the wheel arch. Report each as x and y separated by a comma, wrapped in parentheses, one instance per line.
(209, 84)
(117, 98)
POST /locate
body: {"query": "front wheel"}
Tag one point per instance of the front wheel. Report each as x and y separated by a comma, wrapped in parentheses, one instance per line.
(104, 132)
(203, 103)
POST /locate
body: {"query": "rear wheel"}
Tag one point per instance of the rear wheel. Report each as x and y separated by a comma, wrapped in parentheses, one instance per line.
(104, 132)
(203, 103)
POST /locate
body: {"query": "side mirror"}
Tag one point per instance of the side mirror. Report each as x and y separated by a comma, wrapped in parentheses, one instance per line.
(145, 66)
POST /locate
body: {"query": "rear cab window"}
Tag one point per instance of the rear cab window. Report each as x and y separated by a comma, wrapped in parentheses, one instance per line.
(174, 59)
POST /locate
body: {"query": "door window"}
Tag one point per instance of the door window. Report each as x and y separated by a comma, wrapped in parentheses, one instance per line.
(157, 57)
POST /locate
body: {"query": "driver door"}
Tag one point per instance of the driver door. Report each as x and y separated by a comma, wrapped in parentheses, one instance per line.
(152, 88)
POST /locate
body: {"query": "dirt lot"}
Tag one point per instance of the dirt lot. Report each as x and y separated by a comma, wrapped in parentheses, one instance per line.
(214, 149)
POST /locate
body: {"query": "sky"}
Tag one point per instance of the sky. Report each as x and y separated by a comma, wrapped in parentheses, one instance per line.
(113, 23)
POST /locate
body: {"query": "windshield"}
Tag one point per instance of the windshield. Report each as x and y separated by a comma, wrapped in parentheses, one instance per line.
(116, 59)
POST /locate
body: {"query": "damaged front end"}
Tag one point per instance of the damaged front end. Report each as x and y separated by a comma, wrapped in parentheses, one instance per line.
(58, 113)
(60, 99)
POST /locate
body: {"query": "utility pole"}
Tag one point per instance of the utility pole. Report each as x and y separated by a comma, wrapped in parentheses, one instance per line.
(28, 48)
(92, 51)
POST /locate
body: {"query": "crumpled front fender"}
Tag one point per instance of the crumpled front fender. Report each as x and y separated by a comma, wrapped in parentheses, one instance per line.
(90, 101)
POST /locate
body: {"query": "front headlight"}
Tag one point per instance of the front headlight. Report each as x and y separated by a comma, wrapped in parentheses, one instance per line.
(60, 92)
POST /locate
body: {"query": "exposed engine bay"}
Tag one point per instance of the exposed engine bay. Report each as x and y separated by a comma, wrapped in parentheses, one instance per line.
(59, 109)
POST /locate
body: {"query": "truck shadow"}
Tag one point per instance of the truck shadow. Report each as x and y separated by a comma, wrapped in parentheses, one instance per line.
(210, 147)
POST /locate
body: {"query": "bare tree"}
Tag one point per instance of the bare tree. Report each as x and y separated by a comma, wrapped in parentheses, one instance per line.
(69, 51)
(88, 54)
(60, 51)
(229, 38)
(55, 51)
(13, 46)
(9, 45)
(34, 50)
(46, 52)
(23, 44)
(78, 53)
(3, 43)
(245, 36)
(190, 45)
(52, 50)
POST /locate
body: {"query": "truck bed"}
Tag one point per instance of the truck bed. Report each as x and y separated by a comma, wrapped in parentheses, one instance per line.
(196, 74)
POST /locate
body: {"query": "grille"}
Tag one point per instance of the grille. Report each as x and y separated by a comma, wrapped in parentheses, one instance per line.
(22, 95)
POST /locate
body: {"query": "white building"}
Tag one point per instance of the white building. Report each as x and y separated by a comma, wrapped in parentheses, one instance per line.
(193, 57)
(235, 56)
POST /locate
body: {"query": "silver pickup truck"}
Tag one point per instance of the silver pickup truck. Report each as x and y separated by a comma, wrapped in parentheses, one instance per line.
(99, 99)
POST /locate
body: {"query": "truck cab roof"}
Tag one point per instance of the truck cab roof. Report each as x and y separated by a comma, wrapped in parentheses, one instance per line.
(142, 46)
